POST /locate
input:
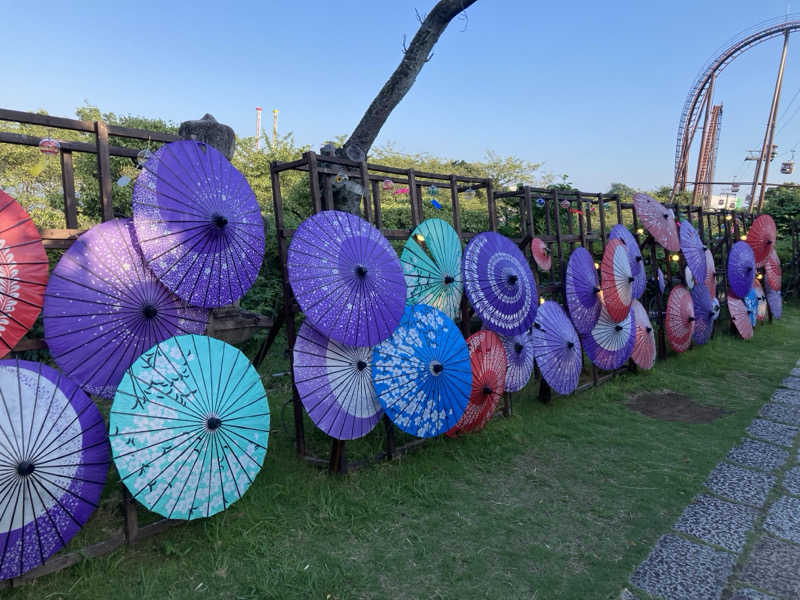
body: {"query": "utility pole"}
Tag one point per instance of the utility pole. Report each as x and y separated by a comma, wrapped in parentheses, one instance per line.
(274, 127)
(258, 127)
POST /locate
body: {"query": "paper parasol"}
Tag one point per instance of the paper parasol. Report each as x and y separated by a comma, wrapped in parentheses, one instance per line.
(711, 274)
(519, 358)
(610, 344)
(775, 302)
(103, 307)
(582, 290)
(499, 284)
(346, 278)
(761, 310)
(189, 427)
(616, 278)
(557, 348)
(704, 314)
(23, 273)
(751, 302)
(662, 282)
(644, 349)
(688, 278)
(334, 382)
(620, 232)
(431, 261)
(772, 270)
(422, 373)
(694, 251)
(679, 318)
(541, 254)
(761, 237)
(658, 220)
(741, 269)
(198, 224)
(739, 316)
(54, 460)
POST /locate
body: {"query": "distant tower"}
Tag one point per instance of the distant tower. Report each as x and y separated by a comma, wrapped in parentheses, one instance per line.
(258, 127)
(274, 126)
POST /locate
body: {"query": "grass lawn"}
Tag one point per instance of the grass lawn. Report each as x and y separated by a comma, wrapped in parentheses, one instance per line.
(558, 501)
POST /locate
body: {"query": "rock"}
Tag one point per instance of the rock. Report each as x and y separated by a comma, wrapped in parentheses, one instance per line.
(211, 132)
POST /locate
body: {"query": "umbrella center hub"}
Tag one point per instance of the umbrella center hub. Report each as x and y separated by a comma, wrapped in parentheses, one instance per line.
(618, 328)
(219, 220)
(213, 423)
(361, 271)
(149, 311)
(436, 367)
(518, 347)
(448, 279)
(25, 468)
(570, 345)
(361, 365)
(512, 279)
(486, 390)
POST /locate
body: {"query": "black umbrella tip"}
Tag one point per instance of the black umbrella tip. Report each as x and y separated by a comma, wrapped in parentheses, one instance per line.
(436, 367)
(691, 319)
(631, 279)
(25, 468)
(219, 220)
(486, 390)
(448, 279)
(639, 258)
(149, 311)
(570, 345)
(512, 279)
(595, 290)
(518, 347)
(618, 328)
(361, 271)
(648, 329)
(361, 365)
(537, 325)
(213, 423)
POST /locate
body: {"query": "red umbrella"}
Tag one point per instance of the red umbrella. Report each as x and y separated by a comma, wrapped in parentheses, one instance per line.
(488, 359)
(762, 236)
(659, 221)
(644, 349)
(772, 270)
(616, 277)
(740, 316)
(711, 274)
(541, 254)
(679, 319)
(23, 273)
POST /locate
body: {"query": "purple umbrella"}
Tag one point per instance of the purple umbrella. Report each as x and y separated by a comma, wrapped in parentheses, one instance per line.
(662, 282)
(775, 301)
(610, 344)
(198, 224)
(694, 251)
(557, 348)
(620, 232)
(335, 384)
(499, 283)
(519, 360)
(53, 463)
(704, 314)
(582, 290)
(103, 307)
(741, 269)
(346, 278)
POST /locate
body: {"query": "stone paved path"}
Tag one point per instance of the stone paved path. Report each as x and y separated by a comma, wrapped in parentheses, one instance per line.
(741, 540)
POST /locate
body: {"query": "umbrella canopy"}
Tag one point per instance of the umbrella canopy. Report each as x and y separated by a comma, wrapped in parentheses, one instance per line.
(103, 307)
(644, 348)
(617, 279)
(557, 348)
(715, 307)
(772, 270)
(659, 221)
(431, 260)
(694, 251)
(762, 236)
(499, 283)
(422, 373)
(704, 312)
(761, 310)
(519, 358)
(775, 302)
(198, 223)
(751, 302)
(334, 382)
(741, 269)
(189, 427)
(346, 278)
(541, 254)
(688, 277)
(662, 282)
(487, 358)
(679, 318)
(582, 290)
(711, 274)
(610, 344)
(53, 463)
(23, 273)
(739, 316)
(620, 232)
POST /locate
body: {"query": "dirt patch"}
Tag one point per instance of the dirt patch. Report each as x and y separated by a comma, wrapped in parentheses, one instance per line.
(671, 406)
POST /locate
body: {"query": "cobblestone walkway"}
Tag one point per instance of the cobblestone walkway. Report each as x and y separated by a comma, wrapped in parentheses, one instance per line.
(740, 540)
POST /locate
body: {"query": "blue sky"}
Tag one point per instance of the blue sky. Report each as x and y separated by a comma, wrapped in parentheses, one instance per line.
(590, 89)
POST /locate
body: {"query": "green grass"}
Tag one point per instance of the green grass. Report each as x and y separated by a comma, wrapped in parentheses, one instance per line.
(558, 501)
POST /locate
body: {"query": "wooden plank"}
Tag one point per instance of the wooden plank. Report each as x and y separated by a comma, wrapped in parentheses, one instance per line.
(456, 206)
(104, 171)
(376, 201)
(601, 208)
(46, 120)
(313, 175)
(559, 241)
(68, 185)
(142, 134)
(365, 192)
(33, 140)
(490, 203)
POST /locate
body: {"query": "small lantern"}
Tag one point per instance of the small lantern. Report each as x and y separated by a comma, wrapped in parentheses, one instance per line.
(49, 146)
(433, 190)
(640, 231)
(388, 184)
(540, 201)
(743, 238)
(675, 258)
(541, 299)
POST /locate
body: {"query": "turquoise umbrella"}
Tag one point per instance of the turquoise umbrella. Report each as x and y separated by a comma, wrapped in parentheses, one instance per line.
(189, 427)
(431, 261)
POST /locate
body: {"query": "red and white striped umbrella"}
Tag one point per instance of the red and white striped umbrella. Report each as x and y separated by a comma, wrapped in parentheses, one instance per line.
(679, 318)
(644, 349)
(659, 221)
(616, 280)
(762, 236)
(772, 270)
(740, 316)
(541, 254)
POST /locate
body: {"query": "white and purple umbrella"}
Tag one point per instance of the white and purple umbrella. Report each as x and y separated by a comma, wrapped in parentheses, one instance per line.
(53, 463)
(582, 290)
(347, 278)
(334, 382)
(198, 224)
(499, 283)
(694, 251)
(519, 360)
(741, 269)
(704, 314)
(557, 348)
(610, 344)
(103, 307)
(620, 232)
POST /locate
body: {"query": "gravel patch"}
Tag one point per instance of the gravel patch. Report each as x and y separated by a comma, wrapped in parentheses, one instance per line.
(740, 485)
(717, 522)
(772, 566)
(786, 397)
(777, 433)
(793, 383)
(791, 481)
(782, 413)
(783, 519)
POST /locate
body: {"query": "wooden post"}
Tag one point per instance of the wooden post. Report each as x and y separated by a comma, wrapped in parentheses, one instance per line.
(365, 188)
(557, 208)
(526, 191)
(388, 427)
(338, 461)
(545, 392)
(376, 202)
(68, 183)
(619, 209)
(104, 171)
(313, 176)
(601, 208)
(455, 205)
(416, 208)
(491, 205)
(131, 517)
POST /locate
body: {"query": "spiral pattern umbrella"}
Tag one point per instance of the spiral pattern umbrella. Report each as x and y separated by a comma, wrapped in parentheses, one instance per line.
(582, 290)
(422, 373)
(679, 319)
(541, 254)
(694, 251)
(762, 311)
(741, 269)
(487, 359)
(711, 274)
(499, 284)
(751, 302)
(775, 302)
(772, 270)
(739, 316)
(519, 358)
(617, 279)
(610, 344)
(557, 348)
(198, 224)
(762, 236)
(431, 260)
(704, 313)
(334, 382)
(347, 278)
(644, 348)
(620, 232)
(658, 220)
